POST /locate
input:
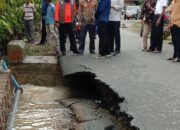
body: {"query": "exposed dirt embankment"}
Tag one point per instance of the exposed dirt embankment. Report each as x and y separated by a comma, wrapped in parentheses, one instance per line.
(101, 92)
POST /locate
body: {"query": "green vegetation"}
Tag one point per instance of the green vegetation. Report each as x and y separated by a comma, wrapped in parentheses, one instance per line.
(142, 2)
(38, 50)
(11, 20)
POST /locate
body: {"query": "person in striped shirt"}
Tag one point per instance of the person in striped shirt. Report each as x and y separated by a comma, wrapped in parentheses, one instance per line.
(29, 11)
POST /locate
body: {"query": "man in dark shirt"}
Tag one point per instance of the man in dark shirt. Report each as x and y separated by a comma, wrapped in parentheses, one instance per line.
(87, 9)
(43, 31)
(102, 18)
(146, 19)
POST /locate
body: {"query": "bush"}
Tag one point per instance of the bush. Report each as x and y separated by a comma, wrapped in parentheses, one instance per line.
(11, 20)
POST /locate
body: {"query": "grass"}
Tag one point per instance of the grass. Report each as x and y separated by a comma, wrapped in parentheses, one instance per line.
(37, 50)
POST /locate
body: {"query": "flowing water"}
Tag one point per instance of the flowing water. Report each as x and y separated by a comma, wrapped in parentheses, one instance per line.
(40, 106)
(39, 109)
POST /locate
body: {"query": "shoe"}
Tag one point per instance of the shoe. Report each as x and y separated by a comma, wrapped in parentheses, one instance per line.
(117, 53)
(63, 53)
(157, 51)
(171, 58)
(108, 55)
(112, 53)
(40, 43)
(76, 52)
(80, 52)
(92, 52)
(57, 49)
(149, 50)
(144, 49)
(176, 60)
(99, 57)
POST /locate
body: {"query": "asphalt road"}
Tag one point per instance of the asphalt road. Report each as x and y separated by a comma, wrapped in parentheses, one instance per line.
(149, 83)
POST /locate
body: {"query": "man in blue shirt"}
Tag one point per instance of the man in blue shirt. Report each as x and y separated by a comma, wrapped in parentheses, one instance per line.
(49, 22)
(102, 18)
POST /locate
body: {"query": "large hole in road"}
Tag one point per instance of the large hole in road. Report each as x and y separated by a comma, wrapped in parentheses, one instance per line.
(100, 91)
(45, 88)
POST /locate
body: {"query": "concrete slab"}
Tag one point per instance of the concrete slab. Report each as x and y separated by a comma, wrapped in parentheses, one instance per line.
(40, 59)
(96, 125)
(91, 117)
(85, 111)
(148, 81)
(69, 102)
(37, 70)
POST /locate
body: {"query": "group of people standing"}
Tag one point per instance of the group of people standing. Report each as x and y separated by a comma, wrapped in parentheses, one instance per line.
(152, 17)
(102, 16)
(153, 12)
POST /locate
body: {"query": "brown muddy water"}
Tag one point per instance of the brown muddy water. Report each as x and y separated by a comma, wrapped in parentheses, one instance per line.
(39, 108)
(45, 103)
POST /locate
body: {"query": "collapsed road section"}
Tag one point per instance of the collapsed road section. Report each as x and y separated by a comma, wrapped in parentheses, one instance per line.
(103, 95)
(54, 101)
(78, 74)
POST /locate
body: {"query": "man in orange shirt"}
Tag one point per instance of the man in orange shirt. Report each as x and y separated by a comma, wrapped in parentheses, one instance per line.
(65, 11)
(175, 29)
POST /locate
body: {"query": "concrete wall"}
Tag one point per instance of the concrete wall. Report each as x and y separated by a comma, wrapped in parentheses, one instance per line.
(6, 99)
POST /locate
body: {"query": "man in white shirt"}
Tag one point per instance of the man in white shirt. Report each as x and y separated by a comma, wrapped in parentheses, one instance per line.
(157, 27)
(114, 26)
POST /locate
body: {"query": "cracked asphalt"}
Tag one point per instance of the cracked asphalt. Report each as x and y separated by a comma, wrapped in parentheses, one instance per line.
(149, 83)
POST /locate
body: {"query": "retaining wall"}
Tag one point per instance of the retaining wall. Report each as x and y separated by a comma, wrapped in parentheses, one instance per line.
(6, 99)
